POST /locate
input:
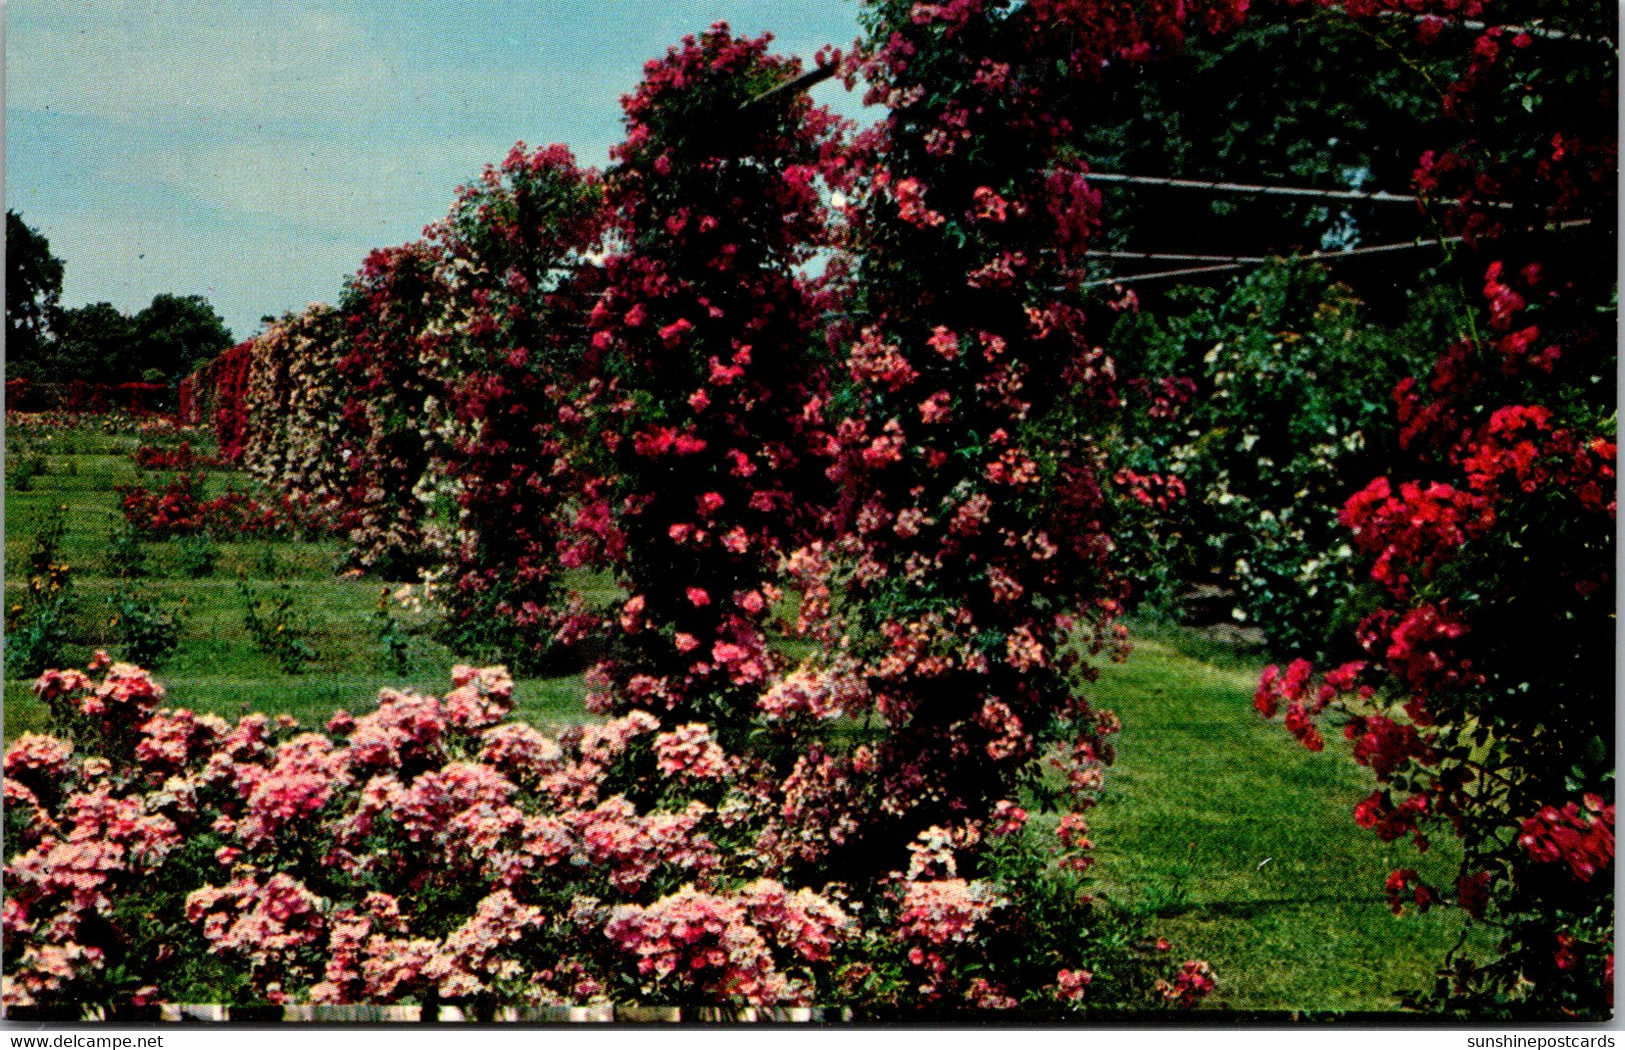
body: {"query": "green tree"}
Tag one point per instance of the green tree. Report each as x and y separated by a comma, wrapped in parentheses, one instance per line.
(1296, 97)
(33, 286)
(94, 342)
(163, 342)
(175, 334)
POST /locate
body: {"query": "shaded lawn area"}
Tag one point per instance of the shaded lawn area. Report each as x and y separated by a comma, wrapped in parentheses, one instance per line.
(1241, 845)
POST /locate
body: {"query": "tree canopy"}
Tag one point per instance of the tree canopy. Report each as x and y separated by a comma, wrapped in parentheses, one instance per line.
(167, 339)
(33, 286)
(177, 333)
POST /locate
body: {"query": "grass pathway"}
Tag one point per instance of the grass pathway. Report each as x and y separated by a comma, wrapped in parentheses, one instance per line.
(1241, 845)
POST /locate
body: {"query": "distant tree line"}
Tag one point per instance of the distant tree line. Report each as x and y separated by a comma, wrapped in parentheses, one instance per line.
(48, 344)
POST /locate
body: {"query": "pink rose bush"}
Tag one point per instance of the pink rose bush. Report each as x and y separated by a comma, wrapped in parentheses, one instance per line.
(521, 501)
(706, 334)
(431, 850)
(967, 579)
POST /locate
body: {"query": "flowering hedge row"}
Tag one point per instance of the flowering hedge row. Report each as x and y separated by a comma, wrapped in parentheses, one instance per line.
(142, 425)
(292, 426)
(181, 508)
(906, 443)
(704, 436)
(521, 503)
(714, 381)
(971, 567)
(24, 395)
(216, 395)
(426, 418)
(181, 457)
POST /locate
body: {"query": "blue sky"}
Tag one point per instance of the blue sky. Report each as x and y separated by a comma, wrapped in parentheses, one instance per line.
(253, 151)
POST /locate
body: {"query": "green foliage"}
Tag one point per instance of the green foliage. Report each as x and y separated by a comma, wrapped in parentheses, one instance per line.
(177, 333)
(125, 555)
(1289, 416)
(1170, 893)
(196, 555)
(41, 628)
(28, 466)
(38, 626)
(1060, 910)
(49, 533)
(1298, 95)
(146, 631)
(95, 341)
(267, 565)
(98, 342)
(33, 287)
(273, 626)
(394, 639)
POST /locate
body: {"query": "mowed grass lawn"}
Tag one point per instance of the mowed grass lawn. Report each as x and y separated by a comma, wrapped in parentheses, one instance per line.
(1241, 844)
(217, 667)
(1235, 841)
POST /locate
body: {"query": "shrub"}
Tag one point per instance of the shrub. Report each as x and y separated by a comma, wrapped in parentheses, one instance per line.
(1263, 414)
(181, 509)
(973, 573)
(507, 465)
(154, 457)
(430, 850)
(195, 555)
(273, 626)
(713, 384)
(37, 628)
(227, 379)
(146, 632)
(267, 565)
(48, 534)
(295, 427)
(125, 557)
(28, 466)
(392, 383)
(394, 638)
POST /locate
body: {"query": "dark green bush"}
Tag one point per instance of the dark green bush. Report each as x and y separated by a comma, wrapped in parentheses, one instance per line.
(1270, 405)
